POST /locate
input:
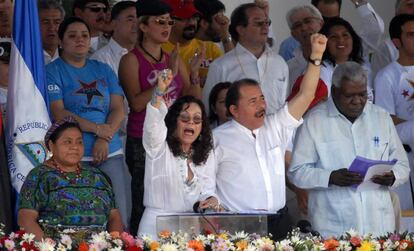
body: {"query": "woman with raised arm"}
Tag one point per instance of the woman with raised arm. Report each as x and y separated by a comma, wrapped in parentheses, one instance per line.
(179, 165)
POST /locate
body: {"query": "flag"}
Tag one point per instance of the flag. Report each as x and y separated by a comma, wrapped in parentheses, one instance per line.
(27, 103)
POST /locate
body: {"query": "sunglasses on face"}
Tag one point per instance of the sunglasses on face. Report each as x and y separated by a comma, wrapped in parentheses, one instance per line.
(193, 18)
(97, 9)
(185, 118)
(164, 22)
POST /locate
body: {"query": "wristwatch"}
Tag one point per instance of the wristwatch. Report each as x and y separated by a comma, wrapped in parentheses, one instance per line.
(360, 3)
(316, 61)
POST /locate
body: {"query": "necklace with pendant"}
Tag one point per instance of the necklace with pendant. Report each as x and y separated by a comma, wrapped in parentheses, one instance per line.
(150, 55)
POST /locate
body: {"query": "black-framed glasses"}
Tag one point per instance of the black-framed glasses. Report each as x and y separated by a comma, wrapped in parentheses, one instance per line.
(265, 23)
(186, 118)
(97, 9)
(164, 22)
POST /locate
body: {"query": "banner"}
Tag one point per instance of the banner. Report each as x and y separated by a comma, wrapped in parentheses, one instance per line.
(27, 102)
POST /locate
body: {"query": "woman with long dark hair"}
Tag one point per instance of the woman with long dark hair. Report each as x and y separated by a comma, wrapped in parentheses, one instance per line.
(179, 164)
(343, 45)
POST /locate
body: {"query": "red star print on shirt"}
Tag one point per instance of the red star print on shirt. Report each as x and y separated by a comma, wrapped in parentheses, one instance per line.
(405, 93)
(89, 89)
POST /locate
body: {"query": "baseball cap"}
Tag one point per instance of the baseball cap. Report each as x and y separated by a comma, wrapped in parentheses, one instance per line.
(152, 8)
(182, 8)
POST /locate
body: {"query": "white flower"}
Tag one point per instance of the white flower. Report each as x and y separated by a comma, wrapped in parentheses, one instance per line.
(94, 247)
(99, 241)
(240, 236)
(9, 244)
(118, 242)
(345, 246)
(13, 236)
(169, 247)
(66, 240)
(352, 232)
(115, 249)
(28, 237)
(46, 245)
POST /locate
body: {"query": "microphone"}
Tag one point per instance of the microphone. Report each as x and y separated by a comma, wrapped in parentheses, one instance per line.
(306, 228)
(197, 209)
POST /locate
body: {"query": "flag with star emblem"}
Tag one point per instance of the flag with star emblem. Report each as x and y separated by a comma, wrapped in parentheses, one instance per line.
(27, 104)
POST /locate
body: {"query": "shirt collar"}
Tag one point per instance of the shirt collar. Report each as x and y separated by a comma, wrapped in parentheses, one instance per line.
(333, 111)
(117, 48)
(242, 50)
(245, 129)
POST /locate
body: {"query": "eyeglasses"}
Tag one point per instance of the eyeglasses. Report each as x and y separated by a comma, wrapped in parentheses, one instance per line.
(185, 118)
(305, 21)
(265, 23)
(97, 9)
(164, 22)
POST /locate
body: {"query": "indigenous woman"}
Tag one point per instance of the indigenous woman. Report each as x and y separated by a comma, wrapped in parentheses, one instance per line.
(179, 164)
(63, 194)
(89, 91)
(138, 71)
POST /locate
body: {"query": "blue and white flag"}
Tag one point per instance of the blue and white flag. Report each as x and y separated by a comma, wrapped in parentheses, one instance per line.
(27, 104)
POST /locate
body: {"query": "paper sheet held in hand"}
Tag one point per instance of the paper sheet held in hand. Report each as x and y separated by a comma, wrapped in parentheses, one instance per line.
(368, 168)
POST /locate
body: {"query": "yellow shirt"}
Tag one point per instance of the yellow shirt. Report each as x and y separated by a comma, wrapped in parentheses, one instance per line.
(187, 53)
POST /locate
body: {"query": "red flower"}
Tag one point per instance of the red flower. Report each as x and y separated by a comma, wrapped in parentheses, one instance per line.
(355, 241)
(20, 233)
(331, 244)
(133, 248)
(29, 247)
(2, 240)
(83, 246)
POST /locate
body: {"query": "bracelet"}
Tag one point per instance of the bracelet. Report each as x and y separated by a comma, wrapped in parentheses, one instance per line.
(97, 130)
(158, 92)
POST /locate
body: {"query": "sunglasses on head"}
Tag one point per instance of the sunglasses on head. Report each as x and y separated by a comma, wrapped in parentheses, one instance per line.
(185, 118)
(164, 22)
(97, 9)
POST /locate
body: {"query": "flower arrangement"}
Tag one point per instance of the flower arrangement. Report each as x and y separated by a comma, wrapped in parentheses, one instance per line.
(240, 241)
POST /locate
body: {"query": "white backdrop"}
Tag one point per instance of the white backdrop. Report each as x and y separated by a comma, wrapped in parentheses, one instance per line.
(278, 9)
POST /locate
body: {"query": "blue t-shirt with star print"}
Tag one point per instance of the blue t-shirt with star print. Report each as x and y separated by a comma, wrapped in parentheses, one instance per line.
(85, 92)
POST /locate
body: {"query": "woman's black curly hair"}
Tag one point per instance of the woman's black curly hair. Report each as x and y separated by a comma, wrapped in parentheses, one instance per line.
(357, 50)
(204, 142)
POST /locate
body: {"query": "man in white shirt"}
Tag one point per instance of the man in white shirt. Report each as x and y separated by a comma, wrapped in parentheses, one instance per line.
(93, 12)
(250, 148)
(51, 14)
(394, 90)
(333, 135)
(251, 58)
(386, 51)
(371, 31)
(124, 21)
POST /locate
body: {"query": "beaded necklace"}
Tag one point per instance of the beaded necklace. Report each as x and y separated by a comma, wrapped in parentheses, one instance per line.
(64, 174)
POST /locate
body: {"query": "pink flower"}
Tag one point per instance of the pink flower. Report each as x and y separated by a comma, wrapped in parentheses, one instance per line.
(128, 239)
(9, 245)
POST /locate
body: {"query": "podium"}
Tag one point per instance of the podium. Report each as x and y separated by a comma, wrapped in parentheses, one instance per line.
(203, 223)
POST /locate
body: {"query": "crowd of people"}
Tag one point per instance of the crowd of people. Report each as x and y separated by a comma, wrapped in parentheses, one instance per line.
(167, 106)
